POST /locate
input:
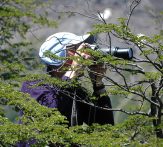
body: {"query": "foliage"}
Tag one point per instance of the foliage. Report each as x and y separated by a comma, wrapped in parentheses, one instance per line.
(17, 18)
(144, 85)
(133, 132)
(36, 122)
(140, 81)
(17, 58)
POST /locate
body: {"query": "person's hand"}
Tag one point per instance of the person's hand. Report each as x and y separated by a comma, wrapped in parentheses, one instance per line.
(75, 64)
(79, 52)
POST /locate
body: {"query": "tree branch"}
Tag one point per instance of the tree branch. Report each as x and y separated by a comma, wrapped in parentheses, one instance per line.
(70, 95)
(108, 32)
(131, 91)
(132, 9)
(129, 70)
(79, 13)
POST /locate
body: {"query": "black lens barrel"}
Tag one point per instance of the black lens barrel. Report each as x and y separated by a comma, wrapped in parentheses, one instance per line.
(125, 53)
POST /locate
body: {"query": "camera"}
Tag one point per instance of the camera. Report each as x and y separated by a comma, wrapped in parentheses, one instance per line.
(125, 53)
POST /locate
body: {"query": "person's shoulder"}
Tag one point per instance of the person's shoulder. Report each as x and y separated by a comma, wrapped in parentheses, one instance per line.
(37, 84)
(31, 82)
(32, 85)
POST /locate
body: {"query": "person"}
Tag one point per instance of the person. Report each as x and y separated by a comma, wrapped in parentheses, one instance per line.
(74, 103)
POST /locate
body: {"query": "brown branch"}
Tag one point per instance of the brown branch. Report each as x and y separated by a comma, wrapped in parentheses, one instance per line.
(160, 86)
(127, 69)
(132, 9)
(125, 88)
(70, 95)
(108, 32)
(74, 12)
(131, 91)
(123, 77)
(156, 65)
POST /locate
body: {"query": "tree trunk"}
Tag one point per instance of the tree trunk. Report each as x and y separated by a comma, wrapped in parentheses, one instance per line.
(156, 112)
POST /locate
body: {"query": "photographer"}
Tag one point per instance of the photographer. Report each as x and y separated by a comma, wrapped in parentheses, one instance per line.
(74, 103)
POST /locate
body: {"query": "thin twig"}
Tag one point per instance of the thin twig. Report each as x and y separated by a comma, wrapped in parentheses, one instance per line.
(132, 9)
(74, 12)
(108, 32)
(103, 108)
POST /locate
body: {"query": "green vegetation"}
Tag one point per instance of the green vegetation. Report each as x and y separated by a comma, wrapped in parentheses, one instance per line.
(144, 125)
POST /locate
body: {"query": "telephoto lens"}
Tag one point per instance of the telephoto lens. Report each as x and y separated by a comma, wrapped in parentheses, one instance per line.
(125, 53)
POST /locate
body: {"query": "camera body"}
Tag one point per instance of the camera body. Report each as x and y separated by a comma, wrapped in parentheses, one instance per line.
(125, 53)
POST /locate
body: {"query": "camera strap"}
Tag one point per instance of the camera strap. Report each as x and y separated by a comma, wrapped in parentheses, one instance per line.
(74, 116)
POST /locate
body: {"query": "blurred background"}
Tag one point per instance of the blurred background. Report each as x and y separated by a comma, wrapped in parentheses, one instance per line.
(144, 18)
(78, 16)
